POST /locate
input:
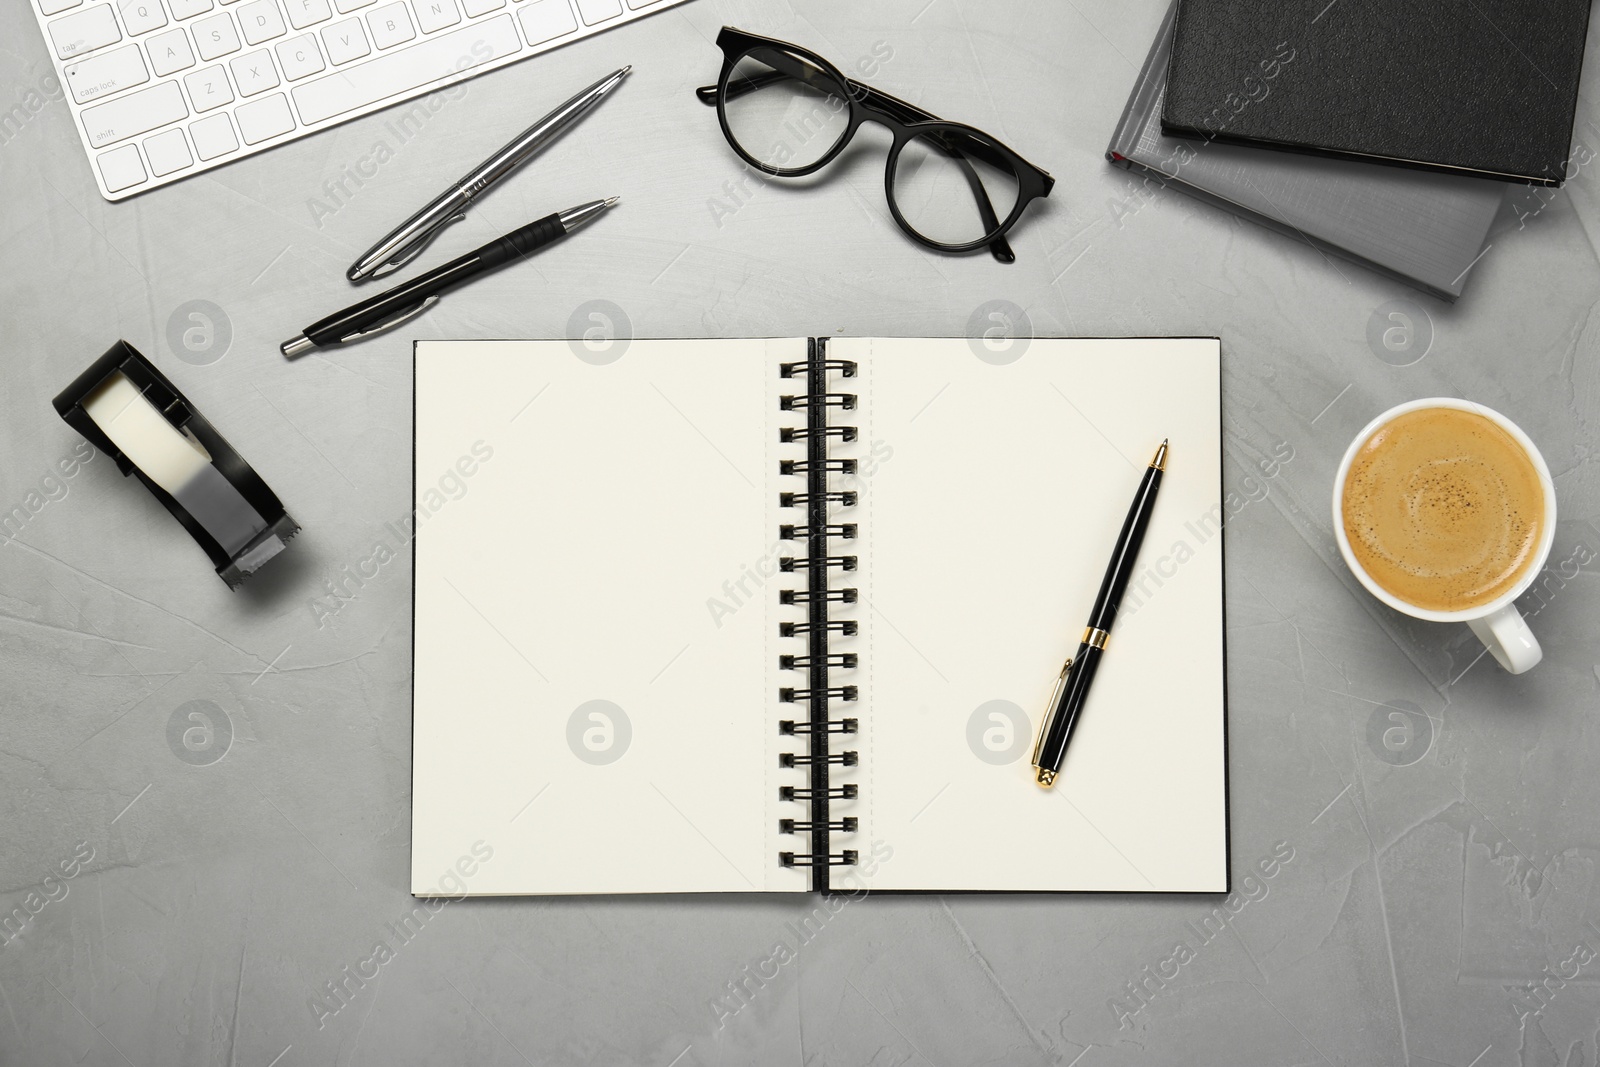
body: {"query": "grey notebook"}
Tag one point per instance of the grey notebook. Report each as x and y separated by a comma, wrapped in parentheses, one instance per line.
(1425, 229)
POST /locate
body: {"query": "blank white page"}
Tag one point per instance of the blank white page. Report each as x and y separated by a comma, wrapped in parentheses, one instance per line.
(581, 712)
(986, 525)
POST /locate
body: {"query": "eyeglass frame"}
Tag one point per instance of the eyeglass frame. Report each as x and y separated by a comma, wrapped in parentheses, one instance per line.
(905, 121)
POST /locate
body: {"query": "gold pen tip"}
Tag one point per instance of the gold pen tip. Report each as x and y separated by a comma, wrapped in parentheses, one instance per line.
(611, 201)
(1045, 778)
(1159, 462)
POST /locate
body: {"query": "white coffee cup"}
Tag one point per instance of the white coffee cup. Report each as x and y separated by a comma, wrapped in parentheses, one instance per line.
(1498, 624)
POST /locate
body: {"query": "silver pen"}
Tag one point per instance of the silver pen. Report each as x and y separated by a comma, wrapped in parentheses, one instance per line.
(416, 233)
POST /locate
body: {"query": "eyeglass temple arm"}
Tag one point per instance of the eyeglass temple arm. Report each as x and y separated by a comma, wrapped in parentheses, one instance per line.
(750, 83)
(999, 247)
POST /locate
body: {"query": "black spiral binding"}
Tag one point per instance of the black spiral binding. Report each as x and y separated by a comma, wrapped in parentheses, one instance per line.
(818, 663)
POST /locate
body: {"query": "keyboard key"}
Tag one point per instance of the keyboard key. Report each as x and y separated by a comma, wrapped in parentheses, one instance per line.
(391, 25)
(142, 16)
(261, 21)
(474, 8)
(121, 168)
(136, 113)
(303, 13)
(254, 73)
(170, 52)
(56, 7)
(84, 30)
(435, 57)
(106, 73)
(300, 57)
(435, 15)
(167, 152)
(347, 6)
(213, 136)
(188, 9)
(597, 11)
(546, 19)
(208, 88)
(215, 36)
(345, 40)
(637, 4)
(267, 117)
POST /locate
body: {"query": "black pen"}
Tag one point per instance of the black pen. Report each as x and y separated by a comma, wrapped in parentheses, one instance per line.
(1072, 685)
(409, 299)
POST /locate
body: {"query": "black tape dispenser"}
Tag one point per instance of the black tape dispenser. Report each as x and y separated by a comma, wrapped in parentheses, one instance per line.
(130, 411)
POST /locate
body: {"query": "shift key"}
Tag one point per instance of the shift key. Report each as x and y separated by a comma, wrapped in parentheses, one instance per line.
(136, 113)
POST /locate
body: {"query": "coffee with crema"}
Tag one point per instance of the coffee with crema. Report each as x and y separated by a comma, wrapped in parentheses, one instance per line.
(1444, 509)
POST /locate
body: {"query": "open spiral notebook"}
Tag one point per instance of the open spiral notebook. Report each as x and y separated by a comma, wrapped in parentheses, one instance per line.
(779, 615)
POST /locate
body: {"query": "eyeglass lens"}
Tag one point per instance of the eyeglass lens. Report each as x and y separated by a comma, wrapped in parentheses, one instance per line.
(952, 188)
(784, 110)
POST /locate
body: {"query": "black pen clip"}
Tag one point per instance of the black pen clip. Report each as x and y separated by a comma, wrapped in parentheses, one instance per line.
(390, 323)
(414, 247)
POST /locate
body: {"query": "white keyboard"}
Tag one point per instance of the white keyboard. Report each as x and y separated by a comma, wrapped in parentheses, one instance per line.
(164, 89)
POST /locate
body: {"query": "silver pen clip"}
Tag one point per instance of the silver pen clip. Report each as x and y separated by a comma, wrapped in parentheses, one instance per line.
(414, 247)
(388, 324)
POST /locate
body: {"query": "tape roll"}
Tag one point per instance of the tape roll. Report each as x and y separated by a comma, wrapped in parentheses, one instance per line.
(174, 461)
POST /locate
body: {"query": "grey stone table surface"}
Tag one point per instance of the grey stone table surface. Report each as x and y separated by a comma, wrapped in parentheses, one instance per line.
(205, 794)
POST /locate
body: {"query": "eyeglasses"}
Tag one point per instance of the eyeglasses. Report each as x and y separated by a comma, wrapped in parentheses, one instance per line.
(789, 112)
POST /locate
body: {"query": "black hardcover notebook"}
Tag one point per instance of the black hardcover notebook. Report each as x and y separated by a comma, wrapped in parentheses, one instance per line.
(1484, 88)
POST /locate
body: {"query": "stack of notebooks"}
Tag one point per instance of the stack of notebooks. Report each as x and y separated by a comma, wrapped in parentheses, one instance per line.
(1381, 133)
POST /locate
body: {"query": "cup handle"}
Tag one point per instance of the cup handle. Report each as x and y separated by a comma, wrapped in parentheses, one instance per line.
(1508, 638)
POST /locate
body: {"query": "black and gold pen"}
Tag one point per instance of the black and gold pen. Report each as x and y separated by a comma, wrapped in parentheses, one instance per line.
(1072, 686)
